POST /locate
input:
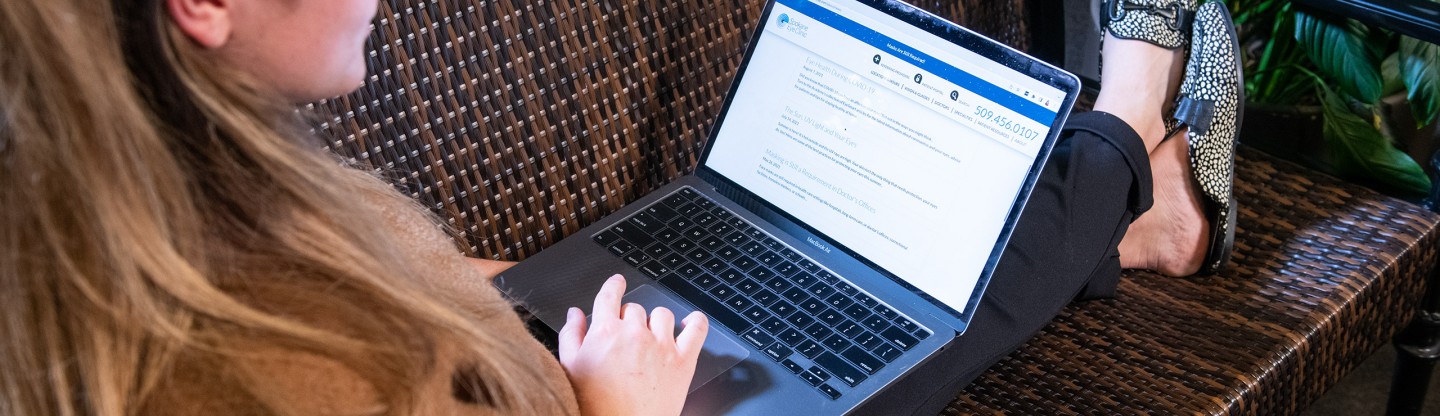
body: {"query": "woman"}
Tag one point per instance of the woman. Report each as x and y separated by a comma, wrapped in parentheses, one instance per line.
(174, 244)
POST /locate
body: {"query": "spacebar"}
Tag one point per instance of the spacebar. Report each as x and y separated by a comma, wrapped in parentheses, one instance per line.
(711, 307)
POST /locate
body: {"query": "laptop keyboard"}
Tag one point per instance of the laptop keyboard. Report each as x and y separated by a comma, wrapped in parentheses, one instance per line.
(813, 322)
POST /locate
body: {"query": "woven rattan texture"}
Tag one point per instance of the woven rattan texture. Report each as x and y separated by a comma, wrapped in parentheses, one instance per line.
(1324, 273)
(521, 121)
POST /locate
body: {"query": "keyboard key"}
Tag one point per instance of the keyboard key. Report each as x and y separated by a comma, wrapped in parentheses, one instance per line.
(720, 228)
(863, 360)
(850, 328)
(675, 200)
(804, 280)
(712, 243)
(922, 334)
(809, 266)
(620, 248)
(819, 331)
(847, 289)
(682, 245)
(778, 352)
(689, 271)
(636, 258)
(606, 238)
(680, 224)
(646, 222)
(731, 276)
(869, 302)
(699, 256)
(868, 340)
(713, 308)
(737, 239)
(830, 317)
(779, 285)
(836, 342)
(812, 305)
(782, 308)
(791, 336)
(740, 262)
(886, 312)
(793, 256)
(774, 325)
(830, 391)
(655, 269)
(658, 250)
(660, 212)
(765, 297)
(755, 313)
(907, 325)
(773, 244)
(686, 211)
(820, 373)
(857, 312)
(795, 295)
(738, 303)
(822, 290)
(899, 338)
(688, 193)
(753, 248)
(717, 265)
(786, 268)
(695, 233)
(877, 323)
(809, 349)
(839, 301)
(838, 367)
(790, 365)
(828, 277)
(704, 220)
(722, 293)
(667, 235)
(800, 320)
(706, 281)
(755, 233)
(749, 287)
(704, 202)
(887, 352)
(729, 253)
(762, 274)
(769, 258)
(630, 232)
(758, 338)
(810, 378)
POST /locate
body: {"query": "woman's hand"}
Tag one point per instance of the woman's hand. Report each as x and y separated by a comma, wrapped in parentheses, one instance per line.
(628, 363)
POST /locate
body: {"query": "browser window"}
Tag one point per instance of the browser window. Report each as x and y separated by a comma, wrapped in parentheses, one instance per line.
(901, 146)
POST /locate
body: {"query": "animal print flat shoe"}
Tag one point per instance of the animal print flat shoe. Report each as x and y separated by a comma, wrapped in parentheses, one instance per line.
(1210, 104)
(1165, 23)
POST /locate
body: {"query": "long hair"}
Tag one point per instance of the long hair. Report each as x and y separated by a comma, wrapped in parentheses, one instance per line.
(158, 210)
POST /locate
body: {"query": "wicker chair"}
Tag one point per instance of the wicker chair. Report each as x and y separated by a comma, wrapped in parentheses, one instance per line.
(521, 122)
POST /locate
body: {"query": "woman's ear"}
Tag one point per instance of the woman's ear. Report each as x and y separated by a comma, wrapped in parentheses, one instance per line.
(207, 22)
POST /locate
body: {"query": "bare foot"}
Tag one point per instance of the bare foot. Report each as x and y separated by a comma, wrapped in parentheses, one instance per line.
(1171, 237)
(1138, 85)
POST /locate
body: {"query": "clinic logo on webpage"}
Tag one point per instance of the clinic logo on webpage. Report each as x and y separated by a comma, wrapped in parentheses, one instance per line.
(793, 26)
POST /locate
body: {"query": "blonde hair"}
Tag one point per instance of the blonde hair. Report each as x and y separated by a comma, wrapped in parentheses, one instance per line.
(157, 209)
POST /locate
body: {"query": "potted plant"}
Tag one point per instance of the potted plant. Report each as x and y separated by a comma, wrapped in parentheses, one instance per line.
(1316, 89)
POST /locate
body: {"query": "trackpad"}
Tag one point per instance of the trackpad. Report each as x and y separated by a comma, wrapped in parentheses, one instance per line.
(721, 351)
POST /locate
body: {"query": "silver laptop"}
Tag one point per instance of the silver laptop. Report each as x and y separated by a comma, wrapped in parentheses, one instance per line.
(853, 200)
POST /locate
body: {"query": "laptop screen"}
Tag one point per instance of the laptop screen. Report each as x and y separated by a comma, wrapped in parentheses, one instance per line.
(904, 148)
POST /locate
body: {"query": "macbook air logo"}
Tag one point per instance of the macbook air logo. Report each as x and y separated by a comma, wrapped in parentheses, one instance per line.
(793, 26)
(818, 244)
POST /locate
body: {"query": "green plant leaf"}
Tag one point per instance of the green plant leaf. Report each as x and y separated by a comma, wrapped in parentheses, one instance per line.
(1420, 68)
(1359, 150)
(1345, 52)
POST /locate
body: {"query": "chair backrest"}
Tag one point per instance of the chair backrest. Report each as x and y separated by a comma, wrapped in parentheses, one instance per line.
(521, 121)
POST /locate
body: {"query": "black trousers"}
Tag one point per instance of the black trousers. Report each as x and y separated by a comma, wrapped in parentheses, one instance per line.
(1064, 248)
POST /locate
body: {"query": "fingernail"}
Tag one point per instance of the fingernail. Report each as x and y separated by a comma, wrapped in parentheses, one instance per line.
(573, 313)
(617, 276)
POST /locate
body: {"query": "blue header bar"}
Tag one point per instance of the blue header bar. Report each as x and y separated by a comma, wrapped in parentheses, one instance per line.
(965, 80)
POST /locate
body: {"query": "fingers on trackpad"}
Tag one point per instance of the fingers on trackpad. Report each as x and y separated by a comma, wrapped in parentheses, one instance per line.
(722, 350)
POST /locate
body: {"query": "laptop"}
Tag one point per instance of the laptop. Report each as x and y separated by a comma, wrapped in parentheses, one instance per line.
(856, 193)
